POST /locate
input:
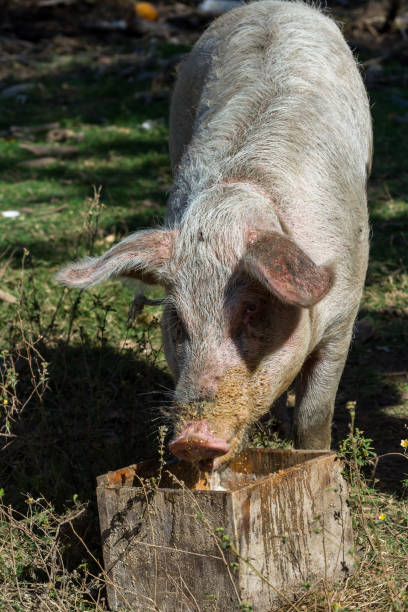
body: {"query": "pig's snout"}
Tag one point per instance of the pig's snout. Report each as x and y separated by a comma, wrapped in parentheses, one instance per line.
(196, 443)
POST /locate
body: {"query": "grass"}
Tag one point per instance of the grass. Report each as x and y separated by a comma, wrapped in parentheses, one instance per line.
(80, 388)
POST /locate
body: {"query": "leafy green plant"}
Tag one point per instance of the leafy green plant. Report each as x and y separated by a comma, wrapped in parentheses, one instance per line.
(356, 447)
(245, 606)
(265, 435)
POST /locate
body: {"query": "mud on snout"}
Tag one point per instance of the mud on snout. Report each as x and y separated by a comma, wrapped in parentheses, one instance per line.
(208, 433)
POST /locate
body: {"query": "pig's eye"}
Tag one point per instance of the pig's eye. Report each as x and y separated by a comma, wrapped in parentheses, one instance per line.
(178, 329)
(250, 310)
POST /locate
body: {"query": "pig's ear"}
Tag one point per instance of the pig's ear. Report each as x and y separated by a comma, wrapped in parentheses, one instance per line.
(280, 265)
(142, 255)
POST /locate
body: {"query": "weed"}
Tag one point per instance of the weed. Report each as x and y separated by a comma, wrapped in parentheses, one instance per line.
(246, 607)
(32, 568)
(356, 447)
(265, 435)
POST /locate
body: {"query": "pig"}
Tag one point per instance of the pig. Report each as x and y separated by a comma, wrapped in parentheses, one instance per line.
(264, 248)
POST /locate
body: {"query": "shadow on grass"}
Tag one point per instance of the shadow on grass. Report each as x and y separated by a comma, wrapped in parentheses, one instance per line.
(71, 244)
(376, 373)
(101, 412)
(389, 242)
(143, 158)
(375, 376)
(86, 92)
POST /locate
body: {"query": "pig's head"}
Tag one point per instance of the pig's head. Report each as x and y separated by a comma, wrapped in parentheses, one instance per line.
(236, 327)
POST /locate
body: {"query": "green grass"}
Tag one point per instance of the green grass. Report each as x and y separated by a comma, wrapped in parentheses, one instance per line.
(80, 389)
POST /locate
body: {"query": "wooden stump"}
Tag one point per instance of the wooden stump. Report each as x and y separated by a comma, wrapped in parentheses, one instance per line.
(274, 520)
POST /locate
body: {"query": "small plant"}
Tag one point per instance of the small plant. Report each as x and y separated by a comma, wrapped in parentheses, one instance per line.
(246, 607)
(379, 523)
(265, 435)
(225, 540)
(32, 561)
(356, 447)
(93, 217)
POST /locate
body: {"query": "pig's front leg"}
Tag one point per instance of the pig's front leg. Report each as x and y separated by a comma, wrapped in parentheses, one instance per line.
(315, 394)
(283, 416)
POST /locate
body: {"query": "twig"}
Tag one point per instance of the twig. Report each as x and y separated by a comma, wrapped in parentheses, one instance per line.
(378, 457)
(236, 552)
(7, 262)
(7, 297)
(50, 150)
(177, 550)
(393, 10)
(173, 580)
(47, 211)
(104, 573)
(14, 559)
(64, 522)
(210, 529)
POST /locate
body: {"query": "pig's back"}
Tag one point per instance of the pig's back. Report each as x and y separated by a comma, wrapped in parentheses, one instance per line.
(276, 99)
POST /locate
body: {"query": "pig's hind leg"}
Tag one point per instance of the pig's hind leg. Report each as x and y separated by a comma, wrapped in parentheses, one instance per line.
(316, 390)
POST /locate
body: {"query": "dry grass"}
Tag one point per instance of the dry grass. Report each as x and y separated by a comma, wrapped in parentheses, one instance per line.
(33, 574)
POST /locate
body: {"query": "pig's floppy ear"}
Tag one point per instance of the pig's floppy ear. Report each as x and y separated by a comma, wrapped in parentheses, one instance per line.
(280, 265)
(142, 255)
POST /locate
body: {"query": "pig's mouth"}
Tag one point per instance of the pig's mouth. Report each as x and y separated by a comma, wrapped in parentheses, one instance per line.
(220, 463)
(198, 444)
(197, 449)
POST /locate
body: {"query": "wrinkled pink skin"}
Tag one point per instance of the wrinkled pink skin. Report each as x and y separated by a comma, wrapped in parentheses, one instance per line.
(264, 251)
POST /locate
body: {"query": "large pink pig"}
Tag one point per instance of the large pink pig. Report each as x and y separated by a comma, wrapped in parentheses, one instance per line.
(264, 250)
